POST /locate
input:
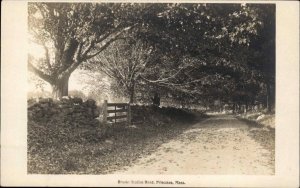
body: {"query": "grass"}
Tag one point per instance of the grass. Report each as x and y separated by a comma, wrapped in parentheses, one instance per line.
(61, 149)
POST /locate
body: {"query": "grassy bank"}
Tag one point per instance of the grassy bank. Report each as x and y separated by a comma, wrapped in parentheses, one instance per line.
(57, 148)
(261, 118)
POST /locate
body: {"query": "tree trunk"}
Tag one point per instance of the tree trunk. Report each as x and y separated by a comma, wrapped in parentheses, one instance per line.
(131, 94)
(60, 87)
(156, 100)
(131, 97)
(234, 108)
(268, 97)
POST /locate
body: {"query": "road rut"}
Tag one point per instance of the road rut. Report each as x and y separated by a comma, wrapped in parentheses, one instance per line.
(220, 144)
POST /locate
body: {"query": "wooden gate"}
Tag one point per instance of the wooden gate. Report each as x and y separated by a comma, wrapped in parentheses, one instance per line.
(116, 113)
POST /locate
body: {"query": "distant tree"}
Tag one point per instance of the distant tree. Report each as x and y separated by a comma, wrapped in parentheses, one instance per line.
(96, 85)
(123, 61)
(262, 51)
(38, 83)
(77, 93)
(38, 94)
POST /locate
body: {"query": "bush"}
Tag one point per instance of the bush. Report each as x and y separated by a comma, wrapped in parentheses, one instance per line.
(160, 116)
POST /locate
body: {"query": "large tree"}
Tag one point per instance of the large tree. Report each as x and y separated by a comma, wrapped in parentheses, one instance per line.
(70, 34)
(220, 40)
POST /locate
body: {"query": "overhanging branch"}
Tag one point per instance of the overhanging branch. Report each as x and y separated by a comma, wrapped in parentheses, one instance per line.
(47, 56)
(39, 73)
(105, 43)
(164, 79)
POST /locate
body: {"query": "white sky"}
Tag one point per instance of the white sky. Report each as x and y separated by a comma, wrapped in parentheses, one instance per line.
(38, 52)
(74, 83)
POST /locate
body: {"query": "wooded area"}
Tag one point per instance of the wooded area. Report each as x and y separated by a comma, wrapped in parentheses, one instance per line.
(193, 82)
(182, 53)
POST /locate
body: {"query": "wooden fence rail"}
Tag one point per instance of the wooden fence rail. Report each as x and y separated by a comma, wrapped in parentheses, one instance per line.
(115, 108)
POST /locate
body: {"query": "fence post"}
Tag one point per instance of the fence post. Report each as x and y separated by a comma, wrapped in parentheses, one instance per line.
(128, 114)
(105, 112)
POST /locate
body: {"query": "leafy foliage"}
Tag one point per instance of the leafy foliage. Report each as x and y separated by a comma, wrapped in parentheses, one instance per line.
(189, 52)
(216, 59)
(123, 61)
(70, 34)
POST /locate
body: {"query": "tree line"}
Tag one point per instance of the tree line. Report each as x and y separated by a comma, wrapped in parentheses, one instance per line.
(187, 53)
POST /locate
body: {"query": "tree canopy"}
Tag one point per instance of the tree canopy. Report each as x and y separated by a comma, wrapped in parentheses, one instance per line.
(70, 34)
(186, 51)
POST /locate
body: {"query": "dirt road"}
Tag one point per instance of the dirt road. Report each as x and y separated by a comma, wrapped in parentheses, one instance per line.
(218, 145)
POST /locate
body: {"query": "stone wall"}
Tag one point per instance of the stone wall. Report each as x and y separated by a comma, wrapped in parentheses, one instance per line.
(67, 111)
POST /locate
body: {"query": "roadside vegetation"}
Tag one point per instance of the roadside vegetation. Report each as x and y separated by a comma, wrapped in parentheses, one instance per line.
(169, 58)
(55, 147)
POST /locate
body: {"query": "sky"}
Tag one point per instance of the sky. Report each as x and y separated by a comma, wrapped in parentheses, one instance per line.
(79, 79)
(74, 83)
(38, 52)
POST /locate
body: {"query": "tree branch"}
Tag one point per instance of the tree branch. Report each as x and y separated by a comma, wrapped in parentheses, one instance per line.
(100, 50)
(39, 73)
(78, 51)
(39, 6)
(47, 56)
(115, 65)
(107, 42)
(93, 42)
(88, 48)
(164, 79)
(72, 67)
